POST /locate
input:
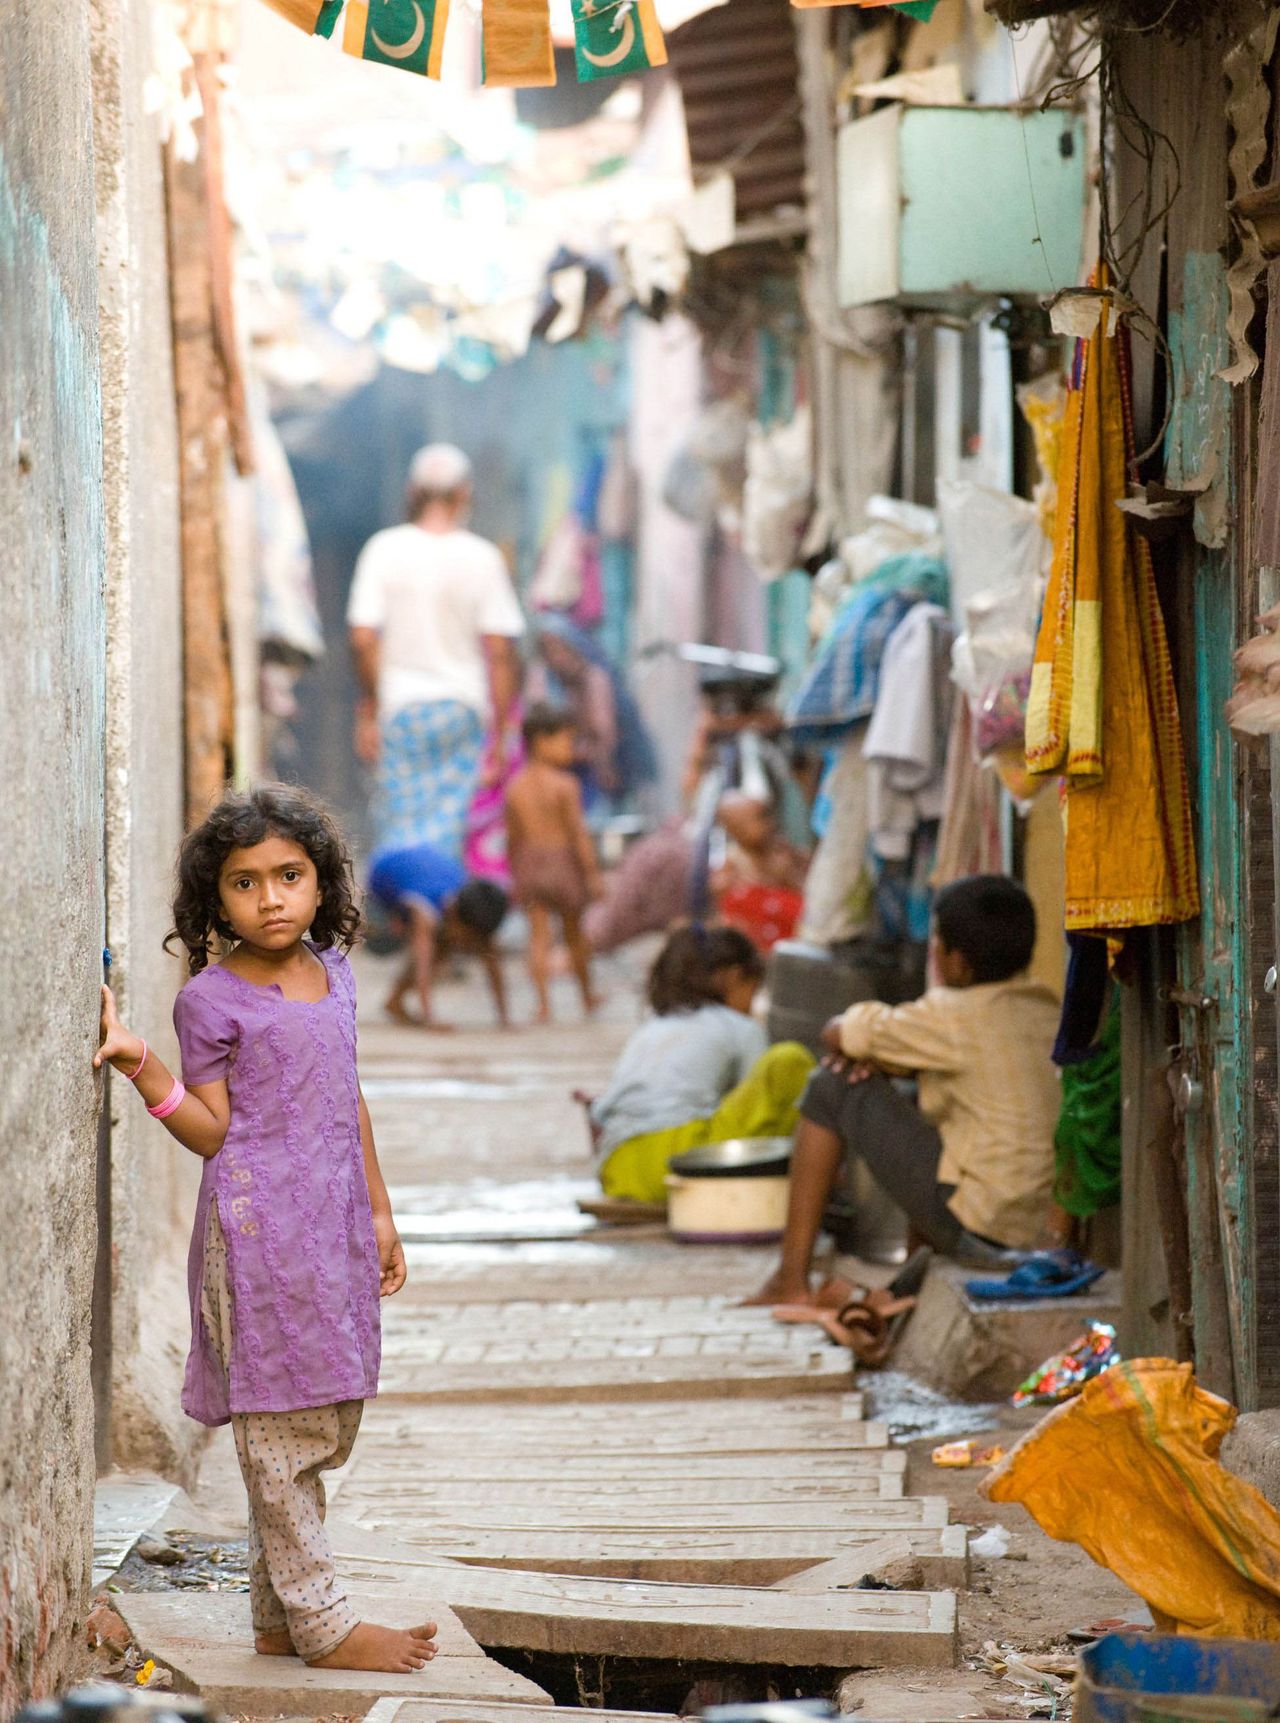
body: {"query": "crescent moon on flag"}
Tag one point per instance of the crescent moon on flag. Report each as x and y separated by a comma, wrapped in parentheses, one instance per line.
(618, 54)
(406, 50)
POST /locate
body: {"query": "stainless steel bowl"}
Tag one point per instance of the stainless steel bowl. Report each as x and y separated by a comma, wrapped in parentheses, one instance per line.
(738, 1157)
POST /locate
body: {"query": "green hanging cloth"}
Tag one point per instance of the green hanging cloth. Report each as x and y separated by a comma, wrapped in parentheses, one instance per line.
(1087, 1140)
(921, 9)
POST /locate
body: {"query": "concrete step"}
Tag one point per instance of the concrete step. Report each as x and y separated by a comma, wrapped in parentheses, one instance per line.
(207, 1642)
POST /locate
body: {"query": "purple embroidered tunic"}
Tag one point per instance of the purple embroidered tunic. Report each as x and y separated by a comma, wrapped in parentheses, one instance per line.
(292, 1198)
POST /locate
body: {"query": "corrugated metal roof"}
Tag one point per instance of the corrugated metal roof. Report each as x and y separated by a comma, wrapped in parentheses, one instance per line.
(739, 81)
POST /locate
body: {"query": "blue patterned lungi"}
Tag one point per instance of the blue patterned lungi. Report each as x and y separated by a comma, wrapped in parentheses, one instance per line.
(427, 775)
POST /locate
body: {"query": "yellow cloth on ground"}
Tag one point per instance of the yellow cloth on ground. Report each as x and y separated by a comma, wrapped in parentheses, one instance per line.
(764, 1104)
(1129, 1471)
(1102, 708)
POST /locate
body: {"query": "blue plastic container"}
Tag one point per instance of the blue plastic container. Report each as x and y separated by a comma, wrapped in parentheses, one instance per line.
(1174, 1678)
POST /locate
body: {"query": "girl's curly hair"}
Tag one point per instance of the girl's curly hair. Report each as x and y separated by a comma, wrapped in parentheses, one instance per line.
(244, 818)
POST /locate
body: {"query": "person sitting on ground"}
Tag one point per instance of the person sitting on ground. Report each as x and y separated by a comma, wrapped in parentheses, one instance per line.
(437, 911)
(758, 886)
(972, 1164)
(698, 1070)
(549, 851)
(757, 853)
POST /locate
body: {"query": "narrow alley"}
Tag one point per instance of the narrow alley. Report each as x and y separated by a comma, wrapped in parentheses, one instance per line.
(588, 1461)
(641, 958)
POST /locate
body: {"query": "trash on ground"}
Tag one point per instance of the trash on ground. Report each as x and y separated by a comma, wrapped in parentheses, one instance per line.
(1128, 1471)
(1065, 1374)
(992, 1545)
(969, 1452)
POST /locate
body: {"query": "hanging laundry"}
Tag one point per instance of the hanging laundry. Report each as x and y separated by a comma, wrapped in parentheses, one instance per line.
(516, 50)
(404, 33)
(841, 684)
(1102, 707)
(906, 742)
(316, 17)
(613, 38)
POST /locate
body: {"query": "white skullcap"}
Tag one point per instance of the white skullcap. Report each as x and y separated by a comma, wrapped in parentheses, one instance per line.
(439, 470)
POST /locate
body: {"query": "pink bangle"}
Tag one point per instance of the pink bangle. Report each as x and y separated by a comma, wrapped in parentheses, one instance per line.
(132, 1076)
(172, 1101)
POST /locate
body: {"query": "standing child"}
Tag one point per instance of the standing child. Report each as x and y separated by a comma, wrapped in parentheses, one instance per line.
(294, 1241)
(550, 852)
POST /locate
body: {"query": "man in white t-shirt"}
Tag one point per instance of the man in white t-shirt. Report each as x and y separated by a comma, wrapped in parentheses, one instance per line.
(434, 623)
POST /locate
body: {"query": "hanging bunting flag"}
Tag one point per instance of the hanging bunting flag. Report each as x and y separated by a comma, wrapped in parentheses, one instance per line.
(516, 44)
(612, 38)
(316, 17)
(404, 33)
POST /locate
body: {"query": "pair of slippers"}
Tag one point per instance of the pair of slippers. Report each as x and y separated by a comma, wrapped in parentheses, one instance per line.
(865, 1320)
(1044, 1274)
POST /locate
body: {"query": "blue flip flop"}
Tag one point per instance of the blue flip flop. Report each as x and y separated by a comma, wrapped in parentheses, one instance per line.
(1046, 1274)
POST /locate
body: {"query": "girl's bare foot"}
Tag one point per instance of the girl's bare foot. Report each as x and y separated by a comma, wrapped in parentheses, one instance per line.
(390, 1650)
(274, 1644)
(397, 1012)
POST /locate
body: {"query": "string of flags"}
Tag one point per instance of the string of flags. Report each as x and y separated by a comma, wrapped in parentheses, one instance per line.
(611, 38)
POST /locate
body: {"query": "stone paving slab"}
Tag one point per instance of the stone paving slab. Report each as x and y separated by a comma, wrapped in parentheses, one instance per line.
(805, 1422)
(397, 1508)
(730, 1624)
(206, 1640)
(667, 1496)
(542, 1464)
(442, 1711)
(691, 1347)
(124, 1508)
(706, 1557)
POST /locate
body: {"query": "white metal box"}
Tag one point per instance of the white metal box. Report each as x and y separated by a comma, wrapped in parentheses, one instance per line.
(945, 205)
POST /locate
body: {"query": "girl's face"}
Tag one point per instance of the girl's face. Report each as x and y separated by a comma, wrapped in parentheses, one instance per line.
(269, 893)
(738, 989)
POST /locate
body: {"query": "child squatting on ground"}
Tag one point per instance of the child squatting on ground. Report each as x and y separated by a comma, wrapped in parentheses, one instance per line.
(699, 1069)
(436, 910)
(550, 852)
(972, 1164)
(293, 1241)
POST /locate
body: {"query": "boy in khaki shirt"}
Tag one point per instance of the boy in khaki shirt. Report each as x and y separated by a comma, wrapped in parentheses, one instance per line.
(972, 1163)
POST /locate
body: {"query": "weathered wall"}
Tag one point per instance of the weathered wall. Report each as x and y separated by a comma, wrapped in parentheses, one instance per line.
(51, 775)
(152, 1180)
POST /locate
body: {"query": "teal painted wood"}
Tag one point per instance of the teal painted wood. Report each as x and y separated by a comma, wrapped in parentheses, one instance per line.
(1213, 960)
(1198, 441)
(955, 202)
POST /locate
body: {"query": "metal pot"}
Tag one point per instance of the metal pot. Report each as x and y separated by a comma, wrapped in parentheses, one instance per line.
(736, 1158)
(727, 1210)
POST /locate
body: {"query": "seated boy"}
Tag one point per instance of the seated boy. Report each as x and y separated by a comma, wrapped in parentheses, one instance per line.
(436, 909)
(972, 1164)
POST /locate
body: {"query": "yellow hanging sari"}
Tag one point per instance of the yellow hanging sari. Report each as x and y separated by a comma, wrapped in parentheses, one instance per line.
(1102, 709)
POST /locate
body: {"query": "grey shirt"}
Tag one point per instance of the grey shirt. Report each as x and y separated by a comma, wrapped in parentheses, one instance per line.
(674, 1069)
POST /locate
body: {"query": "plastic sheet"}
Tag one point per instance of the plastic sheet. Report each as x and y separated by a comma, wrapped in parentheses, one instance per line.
(1128, 1471)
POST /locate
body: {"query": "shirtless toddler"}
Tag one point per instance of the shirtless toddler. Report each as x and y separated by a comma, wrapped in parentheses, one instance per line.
(550, 852)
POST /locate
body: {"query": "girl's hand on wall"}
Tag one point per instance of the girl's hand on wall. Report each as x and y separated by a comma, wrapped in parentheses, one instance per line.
(118, 1046)
(390, 1255)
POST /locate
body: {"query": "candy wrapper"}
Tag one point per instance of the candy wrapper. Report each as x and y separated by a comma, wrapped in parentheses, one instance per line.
(1065, 1374)
(969, 1452)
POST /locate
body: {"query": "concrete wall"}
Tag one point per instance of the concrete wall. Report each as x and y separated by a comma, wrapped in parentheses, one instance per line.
(152, 1180)
(51, 782)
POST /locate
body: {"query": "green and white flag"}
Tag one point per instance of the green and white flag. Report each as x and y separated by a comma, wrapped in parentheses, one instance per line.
(614, 38)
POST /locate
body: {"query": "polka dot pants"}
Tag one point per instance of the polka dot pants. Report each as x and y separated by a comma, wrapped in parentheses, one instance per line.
(292, 1582)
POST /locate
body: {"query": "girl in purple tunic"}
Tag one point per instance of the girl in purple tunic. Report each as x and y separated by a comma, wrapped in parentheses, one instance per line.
(294, 1240)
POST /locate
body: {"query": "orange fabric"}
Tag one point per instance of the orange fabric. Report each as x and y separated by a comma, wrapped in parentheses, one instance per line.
(517, 44)
(1102, 708)
(1129, 1471)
